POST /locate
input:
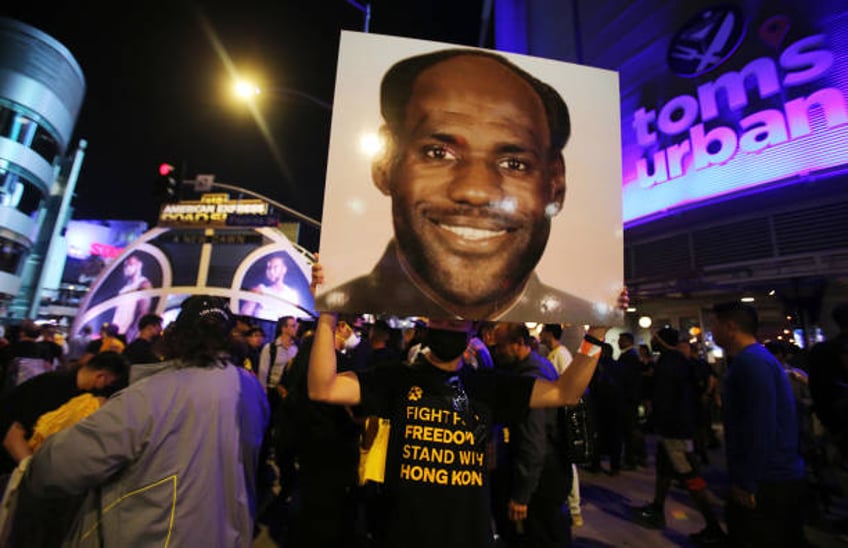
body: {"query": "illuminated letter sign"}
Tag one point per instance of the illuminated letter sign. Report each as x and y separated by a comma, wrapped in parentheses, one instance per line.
(770, 120)
(215, 210)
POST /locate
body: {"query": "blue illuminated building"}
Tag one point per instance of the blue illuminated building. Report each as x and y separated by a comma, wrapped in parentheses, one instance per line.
(41, 92)
(734, 127)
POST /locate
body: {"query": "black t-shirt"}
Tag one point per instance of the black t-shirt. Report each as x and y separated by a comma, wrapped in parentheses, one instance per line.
(140, 351)
(26, 403)
(94, 346)
(437, 485)
(20, 349)
(674, 396)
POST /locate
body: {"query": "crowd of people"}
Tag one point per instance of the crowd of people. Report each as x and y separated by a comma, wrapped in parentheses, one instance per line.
(455, 415)
(465, 422)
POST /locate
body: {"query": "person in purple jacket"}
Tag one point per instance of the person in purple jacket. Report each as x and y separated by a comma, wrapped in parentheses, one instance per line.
(761, 435)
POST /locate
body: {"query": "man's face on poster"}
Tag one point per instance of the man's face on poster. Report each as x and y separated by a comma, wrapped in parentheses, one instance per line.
(473, 180)
(132, 266)
(275, 270)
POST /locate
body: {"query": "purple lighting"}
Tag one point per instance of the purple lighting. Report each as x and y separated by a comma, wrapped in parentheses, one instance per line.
(773, 119)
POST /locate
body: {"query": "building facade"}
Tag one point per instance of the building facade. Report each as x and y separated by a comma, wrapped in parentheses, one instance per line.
(41, 92)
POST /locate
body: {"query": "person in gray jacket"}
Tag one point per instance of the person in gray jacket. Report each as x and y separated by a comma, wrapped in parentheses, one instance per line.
(172, 459)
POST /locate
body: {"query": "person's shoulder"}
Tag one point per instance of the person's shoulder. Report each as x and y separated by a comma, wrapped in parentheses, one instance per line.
(544, 366)
(755, 354)
(629, 357)
(246, 377)
(134, 344)
(93, 347)
(61, 377)
(392, 384)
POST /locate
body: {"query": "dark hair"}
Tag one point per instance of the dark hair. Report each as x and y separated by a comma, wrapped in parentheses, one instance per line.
(281, 323)
(446, 345)
(554, 329)
(381, 331)
(777, 348)
(31, 329)
(484, 327)
(399, 80)
(200, 336)
(743, 315)
(253, 331)
(518, 333)
(110, 329)
(669, 335)
(114, 363)
(149, 319)
(627, 335)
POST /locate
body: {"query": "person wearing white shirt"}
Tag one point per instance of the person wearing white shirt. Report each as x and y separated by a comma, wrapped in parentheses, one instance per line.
(561, 358)
(284, 350)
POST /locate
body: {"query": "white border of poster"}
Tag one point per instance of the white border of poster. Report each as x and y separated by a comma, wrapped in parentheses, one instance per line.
(584, 251)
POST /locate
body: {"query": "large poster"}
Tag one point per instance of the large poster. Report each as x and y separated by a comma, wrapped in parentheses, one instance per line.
(469, 183)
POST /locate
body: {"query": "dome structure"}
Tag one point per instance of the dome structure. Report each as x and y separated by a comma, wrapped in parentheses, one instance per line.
(262, 273)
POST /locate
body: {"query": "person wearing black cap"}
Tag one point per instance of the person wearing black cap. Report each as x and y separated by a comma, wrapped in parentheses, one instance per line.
(172, 459)
(674, 422)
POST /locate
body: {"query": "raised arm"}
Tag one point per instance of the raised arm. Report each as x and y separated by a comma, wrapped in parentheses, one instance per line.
(325, 383)
(571, 384)
(569, 387)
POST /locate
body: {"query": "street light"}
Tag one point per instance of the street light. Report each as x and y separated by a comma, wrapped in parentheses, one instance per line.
(247, 90)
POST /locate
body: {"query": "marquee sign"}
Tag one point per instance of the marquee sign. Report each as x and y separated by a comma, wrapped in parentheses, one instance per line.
(217, 210)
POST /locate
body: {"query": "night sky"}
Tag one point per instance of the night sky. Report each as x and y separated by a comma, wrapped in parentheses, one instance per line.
(157, 91)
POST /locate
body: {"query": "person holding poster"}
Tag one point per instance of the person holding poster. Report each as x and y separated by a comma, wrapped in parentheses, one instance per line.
(442, 414)
(437, 471)
(474, 168)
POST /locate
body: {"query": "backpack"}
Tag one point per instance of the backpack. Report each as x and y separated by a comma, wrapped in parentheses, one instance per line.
(576, 432)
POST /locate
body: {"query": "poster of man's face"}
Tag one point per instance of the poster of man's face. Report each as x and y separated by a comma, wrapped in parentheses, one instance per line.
(278, 288)
(123, 293)
(469, 183)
